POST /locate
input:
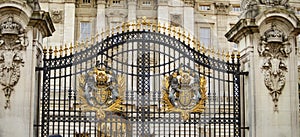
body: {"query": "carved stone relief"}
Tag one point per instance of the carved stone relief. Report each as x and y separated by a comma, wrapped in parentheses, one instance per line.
(176, 20)
(274, 2)
(12, 42)
(222, 8)
(57, 16)
(275, 48)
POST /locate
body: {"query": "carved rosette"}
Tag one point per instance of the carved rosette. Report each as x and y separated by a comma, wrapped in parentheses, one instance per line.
(275, 48)
(57, 16)
(12, 42)
(274, 2)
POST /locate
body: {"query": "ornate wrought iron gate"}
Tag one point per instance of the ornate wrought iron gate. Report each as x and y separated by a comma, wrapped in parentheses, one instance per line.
(145, 60)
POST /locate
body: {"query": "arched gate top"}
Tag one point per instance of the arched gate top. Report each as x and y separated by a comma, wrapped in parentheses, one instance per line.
(166, 35)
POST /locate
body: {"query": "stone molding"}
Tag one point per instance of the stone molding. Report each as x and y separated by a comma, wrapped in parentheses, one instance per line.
(12, 42)
(275, 48)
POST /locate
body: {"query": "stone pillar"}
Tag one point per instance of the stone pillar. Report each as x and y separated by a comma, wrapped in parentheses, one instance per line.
(267, 40)
(131, 10)
(163, 11)
(100, 16)
(188, 18)
(222, 10)
(69, 22)
(21, 34)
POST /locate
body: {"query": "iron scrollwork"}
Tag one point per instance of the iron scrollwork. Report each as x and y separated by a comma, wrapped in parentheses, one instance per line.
(12, 42)
(275, 48)
(184, 92)
(101, 90)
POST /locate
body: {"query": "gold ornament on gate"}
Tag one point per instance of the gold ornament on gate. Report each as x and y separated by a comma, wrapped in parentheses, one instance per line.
(101, 90)
(184, 92)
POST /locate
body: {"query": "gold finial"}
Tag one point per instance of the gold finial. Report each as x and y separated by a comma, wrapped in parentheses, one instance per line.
(45, 50)
(61, 50)
(203, 49)
(179, 33)
(163, 28)
(173, 30)
(50, 52)
(232, 55)
(144, 20)
(133, 25)
(223, 55)
(123, 27)
(112, 30)
(127, 26)
(227, 56)
(92, 40)
(138, 25)
(158, 26)
(76, 46)
(118, 28)
(71, 48)
(238, 55)
(154, 25)
(55, 51)
(189, 39)
(102, 34)
(66, 50)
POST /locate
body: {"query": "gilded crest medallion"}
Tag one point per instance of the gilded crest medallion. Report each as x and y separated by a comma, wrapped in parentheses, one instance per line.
(101, 90)
(184, 92)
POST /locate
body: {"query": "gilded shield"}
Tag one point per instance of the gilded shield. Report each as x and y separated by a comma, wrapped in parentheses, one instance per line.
(103, 94)
(185, 96)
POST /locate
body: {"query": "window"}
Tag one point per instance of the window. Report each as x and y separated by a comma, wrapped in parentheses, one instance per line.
(86, 1)
(205, 36)
(204, 7)
(116, 2)
(146, 3)
(236, 9)
(85, 30)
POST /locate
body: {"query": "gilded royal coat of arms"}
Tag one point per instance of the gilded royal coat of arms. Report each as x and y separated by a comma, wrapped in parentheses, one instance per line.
(184, 92)
(101, 90)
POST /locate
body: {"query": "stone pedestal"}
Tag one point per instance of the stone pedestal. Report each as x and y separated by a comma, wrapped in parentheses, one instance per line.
(267, 41)
(21, 35)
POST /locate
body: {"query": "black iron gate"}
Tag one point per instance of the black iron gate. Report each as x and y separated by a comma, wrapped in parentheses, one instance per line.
(147, 80)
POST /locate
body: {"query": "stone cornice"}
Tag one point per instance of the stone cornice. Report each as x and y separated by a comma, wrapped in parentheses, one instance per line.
(242, 28)
(43, 22)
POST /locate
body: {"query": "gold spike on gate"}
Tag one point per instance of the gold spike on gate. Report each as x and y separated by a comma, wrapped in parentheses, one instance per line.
(71, 49)
(50, 52)
(60, 50)
(66, 50)
(55, 51)
(227, 56)
(45, 51)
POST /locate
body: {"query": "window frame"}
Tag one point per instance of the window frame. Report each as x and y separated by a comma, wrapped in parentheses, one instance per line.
(81, 38)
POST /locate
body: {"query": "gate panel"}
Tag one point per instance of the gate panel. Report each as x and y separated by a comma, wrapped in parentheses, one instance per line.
(145, 58)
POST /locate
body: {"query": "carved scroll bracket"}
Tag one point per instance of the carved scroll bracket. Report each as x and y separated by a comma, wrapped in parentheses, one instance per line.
(275, 48)
(12, 42)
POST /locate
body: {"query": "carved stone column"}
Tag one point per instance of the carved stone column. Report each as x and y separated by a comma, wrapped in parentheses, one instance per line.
(266, 36)
(274, 47)
(12, 44)
(22, 29)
